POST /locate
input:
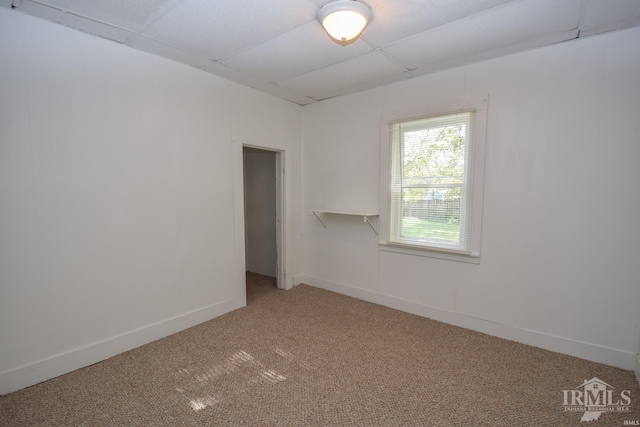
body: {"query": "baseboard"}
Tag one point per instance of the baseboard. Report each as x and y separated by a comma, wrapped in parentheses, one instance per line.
(60, 364)
(583, 350)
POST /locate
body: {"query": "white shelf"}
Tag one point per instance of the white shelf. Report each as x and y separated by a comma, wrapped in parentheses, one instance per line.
(365, 216)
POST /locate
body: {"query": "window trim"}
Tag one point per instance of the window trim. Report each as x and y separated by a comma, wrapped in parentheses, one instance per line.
(479, 104)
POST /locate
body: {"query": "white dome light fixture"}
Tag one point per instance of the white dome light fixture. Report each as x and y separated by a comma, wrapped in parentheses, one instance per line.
(344, 20)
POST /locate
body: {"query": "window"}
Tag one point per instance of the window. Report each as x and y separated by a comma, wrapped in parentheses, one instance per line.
(433, 164)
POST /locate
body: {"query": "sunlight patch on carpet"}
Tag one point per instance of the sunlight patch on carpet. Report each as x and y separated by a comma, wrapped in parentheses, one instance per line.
(236, 375)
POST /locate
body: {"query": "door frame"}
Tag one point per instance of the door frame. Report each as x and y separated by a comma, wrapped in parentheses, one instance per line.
(240, 140)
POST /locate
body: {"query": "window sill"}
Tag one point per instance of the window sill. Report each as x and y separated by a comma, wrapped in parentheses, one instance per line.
(428, 252)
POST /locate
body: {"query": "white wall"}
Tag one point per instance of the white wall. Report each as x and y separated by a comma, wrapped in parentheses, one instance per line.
(117, 195)
(560, 236)
(260, 211)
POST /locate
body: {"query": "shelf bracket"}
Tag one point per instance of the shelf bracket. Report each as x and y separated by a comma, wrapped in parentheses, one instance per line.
(318, 218)
(366, 219)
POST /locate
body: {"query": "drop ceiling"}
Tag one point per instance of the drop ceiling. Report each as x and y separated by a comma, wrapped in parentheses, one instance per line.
(278, 46)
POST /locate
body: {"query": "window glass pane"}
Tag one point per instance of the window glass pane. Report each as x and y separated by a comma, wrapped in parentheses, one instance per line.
(431, 214)
(434, 156)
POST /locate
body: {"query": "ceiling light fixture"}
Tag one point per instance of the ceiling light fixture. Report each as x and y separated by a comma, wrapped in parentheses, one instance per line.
(344, 20)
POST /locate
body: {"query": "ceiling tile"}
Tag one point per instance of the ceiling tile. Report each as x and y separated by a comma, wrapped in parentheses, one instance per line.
(225, 72)
(496, 52)
(499, 28)
(128, 14)
(74, 21)
(367, 69)
(278, 46)
(215, 29)
(600, 11)
(235, 76)
(600, 16)
(161, 49)
(295, 52)
(287, 94)
(398, 19)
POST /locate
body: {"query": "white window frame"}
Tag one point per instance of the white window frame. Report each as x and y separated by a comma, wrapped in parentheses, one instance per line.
(479, 106)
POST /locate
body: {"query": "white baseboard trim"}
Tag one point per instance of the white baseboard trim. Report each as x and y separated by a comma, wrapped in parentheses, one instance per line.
(298, 279)
(583, 350)
(51, 367)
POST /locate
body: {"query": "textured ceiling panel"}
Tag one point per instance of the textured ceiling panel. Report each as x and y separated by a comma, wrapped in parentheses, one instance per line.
(235, 76)
(301, 50)
(215, 29)
(495, 52)
(74, 21)
(601, 17)
(486, 32)
(248, 81)
(128, 14)
(601, 11)
(326, 82)
(160, 49)
(278, 46)
(287, 94)
(398, 19)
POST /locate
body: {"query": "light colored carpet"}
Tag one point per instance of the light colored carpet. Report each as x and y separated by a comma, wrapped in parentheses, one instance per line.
(313, 357)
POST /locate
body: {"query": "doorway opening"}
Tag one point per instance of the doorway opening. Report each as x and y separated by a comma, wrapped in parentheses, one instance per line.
(263, 201)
